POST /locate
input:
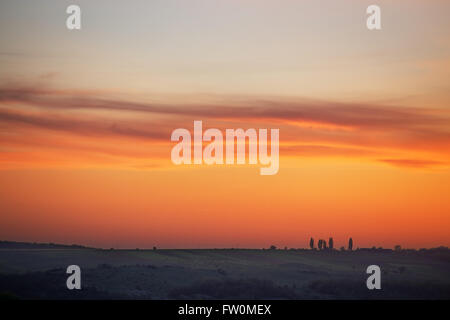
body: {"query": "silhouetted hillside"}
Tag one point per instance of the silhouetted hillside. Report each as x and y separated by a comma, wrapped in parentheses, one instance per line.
(34, 245)
(38, 271)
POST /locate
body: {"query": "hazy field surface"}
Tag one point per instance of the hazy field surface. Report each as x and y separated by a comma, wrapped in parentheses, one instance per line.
(222, 274)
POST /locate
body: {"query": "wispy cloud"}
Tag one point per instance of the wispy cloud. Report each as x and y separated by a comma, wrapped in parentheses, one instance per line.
(413, 163)
(82, 125)
(356, 115)
(309, 127)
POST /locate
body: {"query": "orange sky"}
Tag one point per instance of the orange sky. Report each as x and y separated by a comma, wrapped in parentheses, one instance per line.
(364, 125)
(80, 169)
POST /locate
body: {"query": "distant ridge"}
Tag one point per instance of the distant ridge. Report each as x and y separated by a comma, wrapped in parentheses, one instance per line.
(5, 244)
(34, 245)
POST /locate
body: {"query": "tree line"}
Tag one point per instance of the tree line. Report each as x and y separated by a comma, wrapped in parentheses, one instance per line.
(322, 244)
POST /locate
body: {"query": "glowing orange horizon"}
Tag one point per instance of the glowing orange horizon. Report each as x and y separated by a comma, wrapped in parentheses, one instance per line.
(81, 175)
(86, 118)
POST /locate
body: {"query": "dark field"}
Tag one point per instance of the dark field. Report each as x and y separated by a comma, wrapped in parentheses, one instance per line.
(39, 272)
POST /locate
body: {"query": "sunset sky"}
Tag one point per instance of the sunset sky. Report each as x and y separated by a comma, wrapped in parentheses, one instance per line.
(86, 118)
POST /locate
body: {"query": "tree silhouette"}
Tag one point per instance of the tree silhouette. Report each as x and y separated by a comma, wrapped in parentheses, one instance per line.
(324, 244)
(311, 243)
(319, 244)
(350, 244)
(331, 243)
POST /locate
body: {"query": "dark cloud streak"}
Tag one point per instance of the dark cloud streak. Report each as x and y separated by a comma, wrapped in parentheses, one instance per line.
(339, 114)
(82, 126)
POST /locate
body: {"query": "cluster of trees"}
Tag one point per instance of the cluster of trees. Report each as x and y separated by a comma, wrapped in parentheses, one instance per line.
(322, 244)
